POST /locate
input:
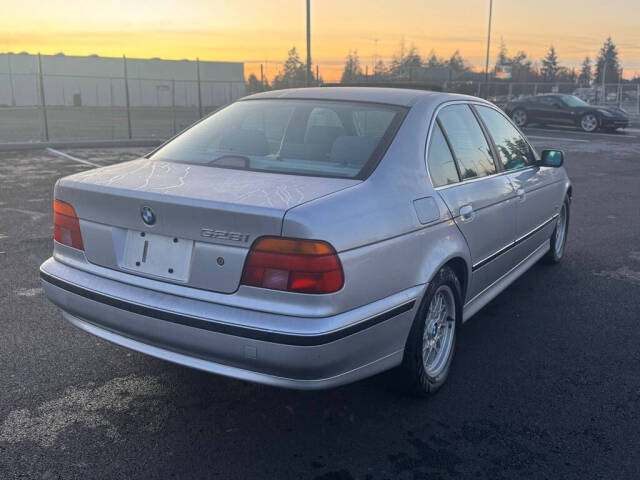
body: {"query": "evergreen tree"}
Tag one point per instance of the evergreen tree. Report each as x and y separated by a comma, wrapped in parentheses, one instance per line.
(502, 59)
(253, 85)
(379, 69)
(352, 69)
(521, 67)
(294, 72)
(433, 61)
(402, 62)
(550, 66)
(586, 74)
(608, 56)
(456, 62)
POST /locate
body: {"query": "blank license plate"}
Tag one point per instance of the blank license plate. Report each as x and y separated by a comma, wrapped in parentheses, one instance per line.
(158, 255)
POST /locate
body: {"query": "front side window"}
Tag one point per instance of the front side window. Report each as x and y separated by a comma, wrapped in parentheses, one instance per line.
(302, 137)
(513, 149)
(548, 101)
(573, 101)
(442, 167)
(470, 147)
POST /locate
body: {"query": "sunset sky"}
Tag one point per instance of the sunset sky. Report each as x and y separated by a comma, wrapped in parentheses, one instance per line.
(261, 31)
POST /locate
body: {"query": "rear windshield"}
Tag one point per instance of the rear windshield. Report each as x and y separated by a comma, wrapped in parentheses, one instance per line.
(303, 137)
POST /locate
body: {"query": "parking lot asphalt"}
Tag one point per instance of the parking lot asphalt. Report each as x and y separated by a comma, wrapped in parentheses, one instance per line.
(545, 383)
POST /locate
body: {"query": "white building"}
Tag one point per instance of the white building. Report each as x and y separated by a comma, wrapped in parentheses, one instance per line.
(99, 81)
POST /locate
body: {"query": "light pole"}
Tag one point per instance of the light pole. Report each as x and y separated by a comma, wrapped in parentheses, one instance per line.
(486, 66)
(308, 43)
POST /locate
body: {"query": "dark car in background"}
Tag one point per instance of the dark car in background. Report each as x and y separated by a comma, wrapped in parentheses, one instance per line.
(559, 109)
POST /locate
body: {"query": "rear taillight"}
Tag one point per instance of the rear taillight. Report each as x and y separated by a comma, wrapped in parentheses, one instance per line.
(303, 266)
(66, 226)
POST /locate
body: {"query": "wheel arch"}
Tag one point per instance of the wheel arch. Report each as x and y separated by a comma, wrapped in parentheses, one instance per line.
(461, 269)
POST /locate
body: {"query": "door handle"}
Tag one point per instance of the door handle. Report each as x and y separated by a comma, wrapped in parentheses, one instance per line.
(521, 194)
(466, 213)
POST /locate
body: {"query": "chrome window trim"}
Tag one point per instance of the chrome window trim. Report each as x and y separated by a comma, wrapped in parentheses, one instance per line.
(432, 122)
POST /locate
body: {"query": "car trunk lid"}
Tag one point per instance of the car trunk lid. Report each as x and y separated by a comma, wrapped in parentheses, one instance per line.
(200, 220)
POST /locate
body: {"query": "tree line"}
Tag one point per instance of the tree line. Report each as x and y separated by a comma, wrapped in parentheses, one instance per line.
(409, 64)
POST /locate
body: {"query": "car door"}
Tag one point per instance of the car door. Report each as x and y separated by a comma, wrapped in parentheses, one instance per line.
(553, 110)
(481, 200)
(539, 190)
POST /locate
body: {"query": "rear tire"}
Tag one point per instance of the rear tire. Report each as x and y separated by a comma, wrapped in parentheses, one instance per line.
(520, 117)
(432, 339)
(559, 236)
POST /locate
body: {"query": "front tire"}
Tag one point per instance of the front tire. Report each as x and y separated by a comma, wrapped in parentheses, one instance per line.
(432, 339)
(589, 122)
(559, 236)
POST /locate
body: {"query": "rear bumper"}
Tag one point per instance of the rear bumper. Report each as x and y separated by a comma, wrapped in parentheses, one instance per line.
(326, 352)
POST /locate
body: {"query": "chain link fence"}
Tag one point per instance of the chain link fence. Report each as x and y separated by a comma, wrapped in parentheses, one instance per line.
(58, 107)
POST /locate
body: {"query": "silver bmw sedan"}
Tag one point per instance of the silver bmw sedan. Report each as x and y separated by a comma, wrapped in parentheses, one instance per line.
(309, 238)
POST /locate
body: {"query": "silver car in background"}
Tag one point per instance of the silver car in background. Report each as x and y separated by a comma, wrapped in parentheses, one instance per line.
(309, 238)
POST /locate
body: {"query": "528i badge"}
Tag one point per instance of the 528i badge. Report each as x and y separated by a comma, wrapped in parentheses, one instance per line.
(224, 235)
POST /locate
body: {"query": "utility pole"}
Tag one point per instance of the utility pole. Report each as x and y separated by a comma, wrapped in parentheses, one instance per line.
(486, 67)
(308, 43)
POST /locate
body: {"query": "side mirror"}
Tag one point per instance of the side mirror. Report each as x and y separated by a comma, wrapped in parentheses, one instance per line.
(551, 158)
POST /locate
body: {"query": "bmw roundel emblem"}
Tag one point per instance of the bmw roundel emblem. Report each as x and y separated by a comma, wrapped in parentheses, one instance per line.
(148, 216)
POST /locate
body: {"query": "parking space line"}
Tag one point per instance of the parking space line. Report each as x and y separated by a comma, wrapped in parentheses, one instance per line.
(70, 157)
(558, 138)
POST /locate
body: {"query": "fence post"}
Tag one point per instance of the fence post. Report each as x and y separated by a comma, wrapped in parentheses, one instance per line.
(262, 77)
(43, 103)
(510, 94)
(173, 105)
(199, 90)
(13, 95)
(638, 98)
(126, 95)
(619, 92)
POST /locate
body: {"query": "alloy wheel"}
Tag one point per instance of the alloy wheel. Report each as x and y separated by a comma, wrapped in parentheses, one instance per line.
(439, 331)
(561, 231)
(589, 122)
(519, 117)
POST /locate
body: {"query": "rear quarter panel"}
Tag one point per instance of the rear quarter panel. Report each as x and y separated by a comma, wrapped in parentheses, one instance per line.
(383, 246)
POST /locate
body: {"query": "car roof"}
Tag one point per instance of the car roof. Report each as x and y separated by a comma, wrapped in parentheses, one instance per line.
(393, 96)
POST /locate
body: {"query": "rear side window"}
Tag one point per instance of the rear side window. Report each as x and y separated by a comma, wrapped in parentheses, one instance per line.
(513, 149)
(470, 147)
(300, 137)
(442, 167)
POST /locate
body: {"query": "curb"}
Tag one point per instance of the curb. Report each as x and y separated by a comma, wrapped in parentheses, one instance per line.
(143, 142)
